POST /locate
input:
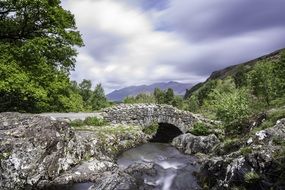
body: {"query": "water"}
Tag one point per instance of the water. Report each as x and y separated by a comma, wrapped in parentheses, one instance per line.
(77, 186)
(175, 171)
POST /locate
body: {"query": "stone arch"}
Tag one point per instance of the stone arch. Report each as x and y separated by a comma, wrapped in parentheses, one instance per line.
(166, 133)
(145, 114)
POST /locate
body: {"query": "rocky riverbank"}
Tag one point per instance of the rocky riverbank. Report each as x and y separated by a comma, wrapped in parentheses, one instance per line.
(254, 161)
(39, 151)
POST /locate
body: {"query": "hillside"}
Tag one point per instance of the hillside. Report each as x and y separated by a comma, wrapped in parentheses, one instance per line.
(119, 95)
(234, 70)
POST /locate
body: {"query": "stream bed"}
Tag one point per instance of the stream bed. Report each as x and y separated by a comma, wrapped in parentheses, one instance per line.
(175, 171)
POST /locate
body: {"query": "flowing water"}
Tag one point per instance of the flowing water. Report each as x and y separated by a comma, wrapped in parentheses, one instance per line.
(175, 171)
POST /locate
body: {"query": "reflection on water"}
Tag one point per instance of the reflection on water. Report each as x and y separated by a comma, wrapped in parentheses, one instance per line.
(175, 171)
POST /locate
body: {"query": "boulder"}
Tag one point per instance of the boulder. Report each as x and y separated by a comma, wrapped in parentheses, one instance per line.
(38, 151)
(191, 144)
(252, 166)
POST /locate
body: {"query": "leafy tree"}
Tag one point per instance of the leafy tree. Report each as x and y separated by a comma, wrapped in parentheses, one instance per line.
(169, 96)
(262, 81)
(240, 77)
(279, 75)
(85, 91)
(177, 102)
(159, 96)
(140, 98)
(37, 39)
(192, 103)
(99, 99)
(230, 107)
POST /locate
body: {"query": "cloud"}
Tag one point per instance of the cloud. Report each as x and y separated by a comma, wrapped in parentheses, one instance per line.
(131, 42)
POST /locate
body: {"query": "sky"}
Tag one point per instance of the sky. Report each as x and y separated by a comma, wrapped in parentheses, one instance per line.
(134, 42)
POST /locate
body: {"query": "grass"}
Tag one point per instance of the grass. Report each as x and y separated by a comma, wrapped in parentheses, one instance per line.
(272, 118)
(89, 121)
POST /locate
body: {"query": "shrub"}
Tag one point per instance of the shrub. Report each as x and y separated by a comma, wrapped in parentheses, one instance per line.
(77, 123)
(199, 129)
(94, 121)
(91, 121)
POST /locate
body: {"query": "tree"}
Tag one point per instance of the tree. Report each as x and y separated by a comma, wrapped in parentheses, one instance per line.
(177, 102)
(262, 81)
(230, 107)
(85, 90)
(169, 96)
(240, 77)
(37, 39)
(279, 75)
(99, 99)
(159, 96)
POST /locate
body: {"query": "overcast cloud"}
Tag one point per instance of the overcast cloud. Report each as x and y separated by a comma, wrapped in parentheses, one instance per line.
(132, 42)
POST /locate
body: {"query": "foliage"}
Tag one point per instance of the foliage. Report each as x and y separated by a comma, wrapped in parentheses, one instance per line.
(272, 117)
(262, 81)
(230, 106)
(92, 99)
(37, 40)
(192, 103)
(279, 73)
(140, 98)
(169, 96)
(240, 77)
(89, 121)
(98, 99)
(151, 129)
(94, 121)
(177, 102)
(251, 177)
(231, 145)
(200, 129)
(245, 151)
(158, 96)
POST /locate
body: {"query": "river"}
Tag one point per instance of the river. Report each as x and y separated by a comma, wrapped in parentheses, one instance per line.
(174, 170)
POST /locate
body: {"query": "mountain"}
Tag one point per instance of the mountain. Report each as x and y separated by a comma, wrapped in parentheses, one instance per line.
(234, 71)
(119, 95)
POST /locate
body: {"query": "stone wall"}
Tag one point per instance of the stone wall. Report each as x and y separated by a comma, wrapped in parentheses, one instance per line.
(145, 114)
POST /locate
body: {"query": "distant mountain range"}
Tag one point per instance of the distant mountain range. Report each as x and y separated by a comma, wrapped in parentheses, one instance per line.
(119, 95)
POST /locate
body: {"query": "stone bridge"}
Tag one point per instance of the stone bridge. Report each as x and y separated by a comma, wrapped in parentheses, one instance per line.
(145, 114)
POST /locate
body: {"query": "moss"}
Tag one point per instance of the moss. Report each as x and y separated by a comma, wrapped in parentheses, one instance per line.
(152, 129)
(251, 177)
